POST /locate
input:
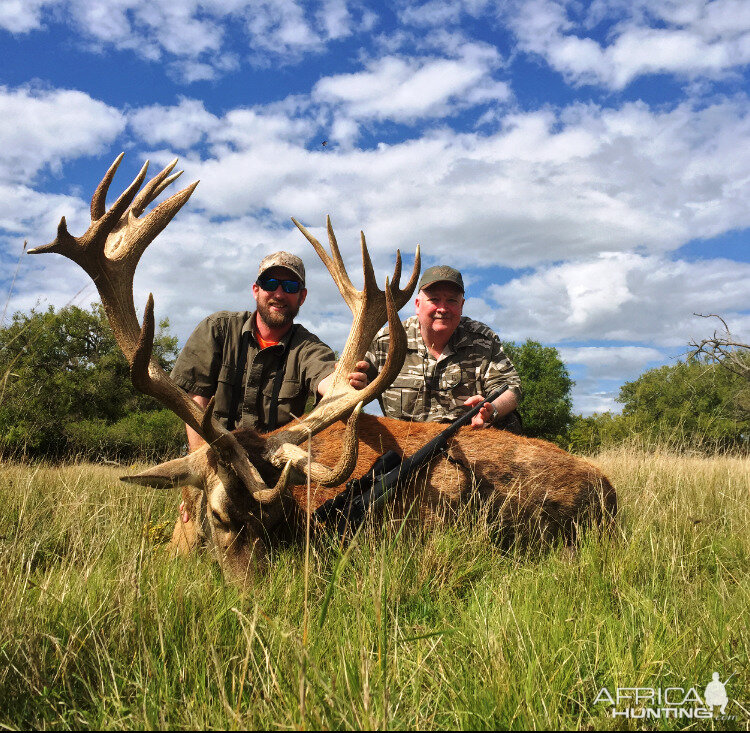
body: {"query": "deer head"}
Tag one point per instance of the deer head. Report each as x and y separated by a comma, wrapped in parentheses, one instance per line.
(244, 476)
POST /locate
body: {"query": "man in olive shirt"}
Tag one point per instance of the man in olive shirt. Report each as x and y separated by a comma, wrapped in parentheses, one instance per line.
(452, 362)
(260, 366)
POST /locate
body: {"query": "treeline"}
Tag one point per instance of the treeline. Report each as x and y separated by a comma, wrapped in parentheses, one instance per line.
(65, 392)
(694, 405)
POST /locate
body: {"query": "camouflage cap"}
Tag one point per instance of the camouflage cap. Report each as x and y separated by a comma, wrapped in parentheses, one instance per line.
(283, 259)
(441, 273)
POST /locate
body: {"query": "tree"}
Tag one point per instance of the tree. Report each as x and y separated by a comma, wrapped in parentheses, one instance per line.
(546, 403)
(731, 354)
(64, 385)
(688, 404)
(600, 430)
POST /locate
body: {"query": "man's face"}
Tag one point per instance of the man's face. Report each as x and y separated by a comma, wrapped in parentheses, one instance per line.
(278, 309)
(439, 308)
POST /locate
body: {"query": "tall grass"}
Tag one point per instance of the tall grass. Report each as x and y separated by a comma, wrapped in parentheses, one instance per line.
(101, 628)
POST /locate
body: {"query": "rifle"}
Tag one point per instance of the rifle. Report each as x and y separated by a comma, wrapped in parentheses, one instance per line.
(389, 472)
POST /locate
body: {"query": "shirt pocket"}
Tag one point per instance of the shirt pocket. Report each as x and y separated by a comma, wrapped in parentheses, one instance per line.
(224, 389)
(407, 390)
(291, 400)
(455, 382)
(451, 378)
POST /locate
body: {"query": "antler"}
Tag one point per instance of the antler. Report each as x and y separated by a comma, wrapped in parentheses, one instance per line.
(109, 251)
(370, 307)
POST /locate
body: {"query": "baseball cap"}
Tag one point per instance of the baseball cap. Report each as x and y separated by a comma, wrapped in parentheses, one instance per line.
(441, 273)
(283, 259)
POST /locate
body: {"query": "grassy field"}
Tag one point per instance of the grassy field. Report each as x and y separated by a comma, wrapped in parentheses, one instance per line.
(100, 628)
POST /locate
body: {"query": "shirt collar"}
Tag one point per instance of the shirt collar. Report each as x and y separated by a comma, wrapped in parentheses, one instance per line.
(250, 326)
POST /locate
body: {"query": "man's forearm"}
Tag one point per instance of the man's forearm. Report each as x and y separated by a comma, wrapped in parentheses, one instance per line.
(505, 403)
(195, 440)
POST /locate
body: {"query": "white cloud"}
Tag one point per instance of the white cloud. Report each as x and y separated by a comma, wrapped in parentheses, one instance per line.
(195, 35)
(598, 371)
(29, 214)
(181, 126)
(546, 186)
(405, 89)
(622, 297)
(688, 40)
(21, 16)
(40, 128)
(610, 362)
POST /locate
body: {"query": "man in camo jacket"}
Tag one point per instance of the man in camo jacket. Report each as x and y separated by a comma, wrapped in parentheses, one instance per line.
(452, 362)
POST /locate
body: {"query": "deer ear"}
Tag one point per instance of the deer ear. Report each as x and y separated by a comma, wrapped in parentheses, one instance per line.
(179, 472)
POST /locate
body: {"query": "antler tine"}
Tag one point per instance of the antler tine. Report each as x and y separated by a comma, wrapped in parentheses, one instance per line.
(317, 246)
(371, 284)
(166, 182)
(396, 349)
(98, 200)
(110, 219)
(340, 276)
(157, 384)
(144, 347)
(401, 296)
(154, 222)
(153, 188)
(396, 280)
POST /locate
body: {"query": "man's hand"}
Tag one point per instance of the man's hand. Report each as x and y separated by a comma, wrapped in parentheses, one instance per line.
(483, 419)
(358, 380)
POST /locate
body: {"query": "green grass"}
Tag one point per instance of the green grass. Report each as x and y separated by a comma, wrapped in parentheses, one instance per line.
(101, 628)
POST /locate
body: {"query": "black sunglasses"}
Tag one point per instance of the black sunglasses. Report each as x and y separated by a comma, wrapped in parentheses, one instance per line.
(269, 284)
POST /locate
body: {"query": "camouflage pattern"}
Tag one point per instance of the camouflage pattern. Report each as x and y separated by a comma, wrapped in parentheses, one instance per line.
(473, 362)
(207, 366)
(283, 259)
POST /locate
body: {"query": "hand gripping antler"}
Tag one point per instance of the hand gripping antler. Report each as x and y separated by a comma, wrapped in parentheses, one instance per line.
(109, 251)
(370, 307)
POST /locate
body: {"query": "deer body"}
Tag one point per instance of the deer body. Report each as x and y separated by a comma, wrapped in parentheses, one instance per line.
(515, 477)
(528, 488)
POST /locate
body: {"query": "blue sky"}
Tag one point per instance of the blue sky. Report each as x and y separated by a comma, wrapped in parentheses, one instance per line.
(586, 165)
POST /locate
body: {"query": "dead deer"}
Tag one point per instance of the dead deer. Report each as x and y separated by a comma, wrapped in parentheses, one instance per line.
(246, 489)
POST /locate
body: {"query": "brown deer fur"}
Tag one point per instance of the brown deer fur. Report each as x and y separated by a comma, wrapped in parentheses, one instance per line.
(530, 488)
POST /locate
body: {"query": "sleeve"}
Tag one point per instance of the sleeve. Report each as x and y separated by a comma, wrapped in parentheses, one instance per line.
(317, 361)
(500, 371)
(197, 367)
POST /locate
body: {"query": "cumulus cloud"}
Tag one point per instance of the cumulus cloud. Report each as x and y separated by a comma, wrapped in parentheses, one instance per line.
(686, 39)
(544, 186)
(405, 89)
(181, 126)
(197, 37)
(21, 16)
(599, 371)
(621, 297)
(43, 128)
(610, 362)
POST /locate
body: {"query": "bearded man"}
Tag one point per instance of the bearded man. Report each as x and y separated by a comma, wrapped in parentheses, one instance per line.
(260, 366)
